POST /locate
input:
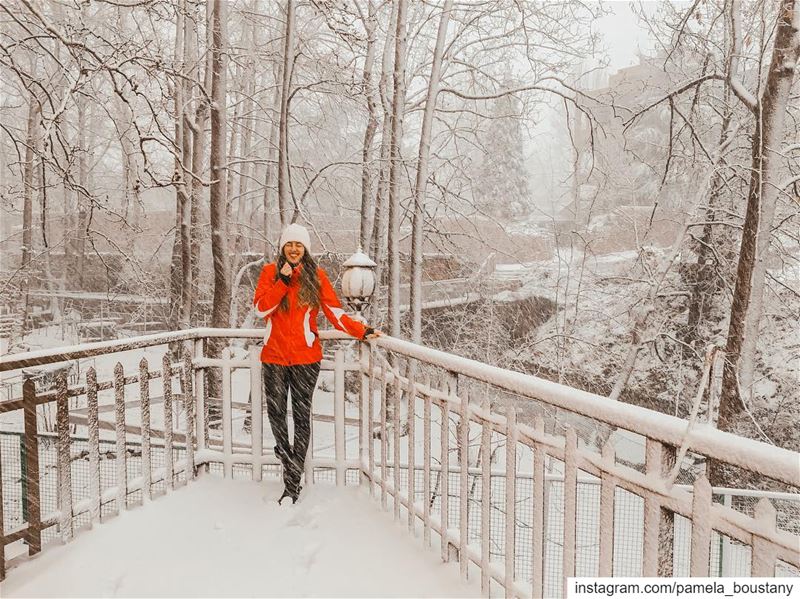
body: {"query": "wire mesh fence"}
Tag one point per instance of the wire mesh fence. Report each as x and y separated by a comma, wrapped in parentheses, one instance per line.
(728, 557)
(15, 479)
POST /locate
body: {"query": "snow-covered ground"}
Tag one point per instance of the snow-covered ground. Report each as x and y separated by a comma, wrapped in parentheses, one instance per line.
(231, 538)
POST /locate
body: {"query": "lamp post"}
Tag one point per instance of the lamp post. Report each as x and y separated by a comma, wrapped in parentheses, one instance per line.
(358, 281)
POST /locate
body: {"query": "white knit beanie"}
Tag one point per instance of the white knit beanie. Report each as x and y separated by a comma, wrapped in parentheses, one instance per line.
(295, 232)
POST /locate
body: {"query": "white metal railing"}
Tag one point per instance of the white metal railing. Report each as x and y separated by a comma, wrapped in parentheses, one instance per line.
(522, 501)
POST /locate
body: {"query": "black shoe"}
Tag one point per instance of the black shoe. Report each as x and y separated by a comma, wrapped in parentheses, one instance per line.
(286, 494)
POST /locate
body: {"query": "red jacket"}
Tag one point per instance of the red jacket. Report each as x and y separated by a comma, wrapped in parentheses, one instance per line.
(291, 336)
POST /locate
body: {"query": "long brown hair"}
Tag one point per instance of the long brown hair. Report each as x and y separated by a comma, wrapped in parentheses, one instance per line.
(309, 281)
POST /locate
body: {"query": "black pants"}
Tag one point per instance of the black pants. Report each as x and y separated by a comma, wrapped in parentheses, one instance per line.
(301, 380)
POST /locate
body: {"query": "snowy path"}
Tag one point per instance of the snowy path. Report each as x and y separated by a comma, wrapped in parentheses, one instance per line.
(230, 538)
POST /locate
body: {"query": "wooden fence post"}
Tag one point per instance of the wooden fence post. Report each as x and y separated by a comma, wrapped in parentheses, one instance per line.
(338, 417)
(666, 525)
(94, 445)
(256, 413)
(486, 497)
(227, 413)
(607, 496)
(538, 520)
(765, 554)
(511, 499)
(701, 527)
(412, 448)
(64, 462)
(2, 530)
(444, 476)
(188, 408)
(570, 503)
(33, 534)
(169, 462)
(122, 456)
(147, 461)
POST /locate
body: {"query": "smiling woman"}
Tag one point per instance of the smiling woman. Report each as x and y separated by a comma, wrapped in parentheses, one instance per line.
(289, 295)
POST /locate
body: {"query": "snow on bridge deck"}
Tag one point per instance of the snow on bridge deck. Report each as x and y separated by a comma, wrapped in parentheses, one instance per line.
(230, 538)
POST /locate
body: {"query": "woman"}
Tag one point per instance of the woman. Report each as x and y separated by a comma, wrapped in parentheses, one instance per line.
(288, 296)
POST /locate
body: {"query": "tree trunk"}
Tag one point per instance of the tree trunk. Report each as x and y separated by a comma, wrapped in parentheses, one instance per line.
(378, 243)
(394, 169)
(27, 216)
(185, 141)
(284, 201)
(703, 286)
(247, 140)
(367, 206)
(83, 199)
(762, 196)
(270, 167)
(421, 184)
(179, 182)
(198, 149)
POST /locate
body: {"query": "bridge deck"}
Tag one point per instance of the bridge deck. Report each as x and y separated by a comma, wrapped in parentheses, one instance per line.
(230, 538)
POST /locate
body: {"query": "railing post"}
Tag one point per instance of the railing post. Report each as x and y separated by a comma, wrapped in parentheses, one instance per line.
(463, 486)
(412, 448)
(64, 462)
(370, 419)
(426, 461)
(511, 499)
(652, 510)
(570, 503)
(486, 497)
(666, 526)
(147, 461)
(364, 433)
(227, 415)
(121, 449)
(395, 401)
(94, 445)
(725, 547)
(384, 442)
(764, 553)
(169, 462)
(606, 527)
(188, 408)
(338, 417)
(197, 399)
(444, 477)
(33, 534)
(701, 527)
(2, 529)
(256, 412)
(538, 521)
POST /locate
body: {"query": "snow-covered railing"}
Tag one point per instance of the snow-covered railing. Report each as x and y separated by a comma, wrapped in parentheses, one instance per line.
(157, 437)
(460, 402)
(498, 468)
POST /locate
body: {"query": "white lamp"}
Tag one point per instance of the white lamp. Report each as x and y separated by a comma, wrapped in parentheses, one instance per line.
(358, 281)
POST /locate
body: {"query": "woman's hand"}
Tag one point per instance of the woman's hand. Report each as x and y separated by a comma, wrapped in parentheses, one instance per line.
(286, 270)
(373, 334)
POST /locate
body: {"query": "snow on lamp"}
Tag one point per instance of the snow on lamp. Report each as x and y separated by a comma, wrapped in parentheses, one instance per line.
(358, 281)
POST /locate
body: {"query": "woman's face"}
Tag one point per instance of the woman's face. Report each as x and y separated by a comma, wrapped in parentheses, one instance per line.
(293, 251)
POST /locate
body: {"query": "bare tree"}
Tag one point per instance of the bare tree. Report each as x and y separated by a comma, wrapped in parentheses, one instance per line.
(284, 174)
(395, 157)
(218, 194)
(421, 184)
(770, 112)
